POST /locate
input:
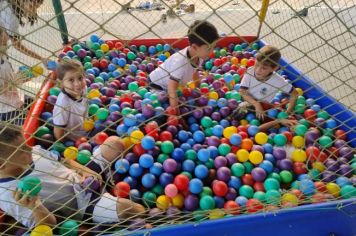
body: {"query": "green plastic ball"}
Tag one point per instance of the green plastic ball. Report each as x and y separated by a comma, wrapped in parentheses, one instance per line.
(323, 114)
(99, 53)
(69, 228)
(273, 197)
(189, 175)
(325, 141)
(248, 167)
(206, 192)
(237, 169)
(206, 122)
(55, 91)
(275, 176)
(159, 47)
(167, 147)
(131, 56)
(300, 130)
(149, 199)
(142, 92)
(102, 113)
(41, 131)
(31, 184)
(286, 176)
(282, 115)
(190, 155)
(261, 196)
(59, 147)
(133, 86)
(162, 157)
(348, 191)
(271, 183)
(84, 157)
(246, 191)
(207, 203)
(279, 140)
(237, 47)
(93, 108)
(224, 149)
(157, 189)
(143, 48)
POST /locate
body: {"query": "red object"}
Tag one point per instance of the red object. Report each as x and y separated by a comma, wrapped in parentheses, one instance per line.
(299, 168)
(310, 115)
(103, 99)
(151, 127)
(80, 141)
(173, 120)
(138, 149)
(234, 67)
(253, 205)
(95, 62)
(258, 186)
(234, 149)
(182, 182)
(320, 186)
(2, 216)
(100, 138)
(289, 136)
(122, 189)
(204, 90)
(217, 62)
(322, 157)
(232, 207)
(243, 135)
(224, 59)
(187, 92)
(171, 111)
(110, 44)
(220, 188)
(242, 128)
(332, 151)
(165, 136)
(340, 134)
(247, 144)
(126, 99)
(126, 50)
(318, 198)
(119, 45)
(250, 62)
(103, 64)
(312, 153)
(225, 140)
(67, 48)
(247, 179)
(241, 71)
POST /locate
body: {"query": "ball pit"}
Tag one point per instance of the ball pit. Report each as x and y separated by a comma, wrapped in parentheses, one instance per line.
(188, 164)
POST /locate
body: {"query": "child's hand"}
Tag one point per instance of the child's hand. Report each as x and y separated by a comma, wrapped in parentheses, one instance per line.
(85, 175)
(25, 200)
(260, 113)
(288, 123)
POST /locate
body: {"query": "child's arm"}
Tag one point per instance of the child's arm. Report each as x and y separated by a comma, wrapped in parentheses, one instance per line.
(252, 101)
(82, 170)
(196, 79)
(172, 95)
(40, 213)
(292, 100)
(266, 126)
(22, 48)
(58, 133)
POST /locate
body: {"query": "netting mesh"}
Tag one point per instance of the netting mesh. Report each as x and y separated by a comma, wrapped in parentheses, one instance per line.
(317, 37)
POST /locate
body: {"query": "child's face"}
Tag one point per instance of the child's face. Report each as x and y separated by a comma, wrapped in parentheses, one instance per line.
(73, 83)
(262, 71)
(204, 51)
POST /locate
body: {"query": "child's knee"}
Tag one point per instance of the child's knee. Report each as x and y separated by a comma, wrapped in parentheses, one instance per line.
(112, 148)
(127, 208)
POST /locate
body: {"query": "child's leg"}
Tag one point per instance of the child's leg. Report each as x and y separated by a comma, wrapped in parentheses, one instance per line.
(110, 209)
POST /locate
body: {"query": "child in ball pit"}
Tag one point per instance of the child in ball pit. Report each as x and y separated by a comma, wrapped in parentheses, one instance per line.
(62, 195)
(70, 109)
(261, 83)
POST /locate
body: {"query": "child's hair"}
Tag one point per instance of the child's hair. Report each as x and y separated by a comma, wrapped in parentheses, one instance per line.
(68, 65)
(202, 32)
(19, 11)
(269, 56)
(9, 134)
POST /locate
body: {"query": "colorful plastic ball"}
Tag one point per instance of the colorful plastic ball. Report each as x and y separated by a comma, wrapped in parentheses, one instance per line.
(83, 157)
(255, 157)
(298, 141)
(69, 228)
(195, 186)
(136, 136)
(348, 191)
(333, 189)
(325, 141)
(70, 153)
(235, 139)
(307, 186)
(203, 155)
(242, 155)
(261, 138)
(182, 182)
(31, 184)
(246, 144)
(237, 169)
(299, 155)
(207, 203)
(167, 147)
(279, 140)
(273, 196)
(100, 138)
(171, 190)
(286, 176)
(42, 130)
(300, 130)
(253, 130)
(271, 183)
(122, 166)
(289, 199)
(163, 202)
(228, 131)
(170, 165)
(146, 161)
(220, 188)
(201, 171)
(258, 174)
(198, 136)
(42, 230)
(122, 189)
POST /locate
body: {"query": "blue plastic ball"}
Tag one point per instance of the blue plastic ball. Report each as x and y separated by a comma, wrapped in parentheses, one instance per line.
(185, 147)
(122, 166)
(130, 120)
(156, 169)
(250, 116)
(204, 155)
(148, 180)
(146, 160)
(234, 182)
(307, 186)
(214, 152)
(195, 186)
(131, 181)
(122, 62)
(331, 124)
(188, 165)
(148, 142)
(241, 200)
(199, 136)
(178, 154)
(165, 179)
(121, 129)
(194, 127)
(183, 135)
(201, 171)
(218, 130)
(272, 113)
(235, 139)
(135, 170)
(342, 181)
(267, 166)
(219, 202)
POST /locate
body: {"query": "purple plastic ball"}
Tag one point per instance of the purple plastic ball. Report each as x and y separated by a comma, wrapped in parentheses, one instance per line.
(170, 165)
(231, 158)
(191, 202)
(258, 174)
(220, 161)
(279, 153)
(285, 164)
(345, 170)
(231, 194)
(131, 157)
(346, 152)
(223, 174)
(213, 141)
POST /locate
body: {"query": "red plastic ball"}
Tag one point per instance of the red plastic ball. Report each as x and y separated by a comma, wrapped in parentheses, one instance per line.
(289, 136)
(234, 67)
(299, 168)
(224, 59)
(258, 186)
(110, 44)
(95, 63)
(225, 140)
(171, 111)
(126, 50)
(182, 182)
(232, 207)
(119, 45)
(241, 71)
(151, 127)
(217, 62)
(250, 62)
(243, 135)
(103, 99)
(138, 149)
(247, 179)
(173, 120)
(100, 138)
(340, 134)
(320, 186)
(204, 90)
(122, 189)
(253, 205)
(165, 136)
(67, 48)
(220, 188)
(310, 114)
(318, 198)
(104, 64)
(80, 141)
(312, 153)
(187, 92)
(242, 128)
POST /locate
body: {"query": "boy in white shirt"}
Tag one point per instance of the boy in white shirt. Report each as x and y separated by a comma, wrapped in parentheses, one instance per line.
(261, 83)
(71, 105)
(62, 195)
(181, 68)
(12, 15)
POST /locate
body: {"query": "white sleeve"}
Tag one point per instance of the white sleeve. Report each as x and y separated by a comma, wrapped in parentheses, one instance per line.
(246, 81)
(282, 84)
(60, 112)
(9, 21)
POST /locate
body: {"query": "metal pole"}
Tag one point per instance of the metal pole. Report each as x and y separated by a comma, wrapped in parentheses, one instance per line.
(61, 20)
(262, 15)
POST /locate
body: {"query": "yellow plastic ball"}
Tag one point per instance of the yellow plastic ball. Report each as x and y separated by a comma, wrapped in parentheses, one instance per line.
(127, 66)
(37, 70)
(178, 201)
(299, 155)
(234, 60)
(167, 54)
(318, 166)
(333, 189)
(163, 202)
(242, 155)
(94, 93)
(214, 95)
(300, 91)
(244, 61)
(228, 131)
(71, 153)
(243, 122)
(255, 157)
(290, 198)
(104, 47)
(42, 230)
(127, 142)
(191, 85)
(136, 136)
(88, 125)
(261, 138)
(216, 214)
(298, 141)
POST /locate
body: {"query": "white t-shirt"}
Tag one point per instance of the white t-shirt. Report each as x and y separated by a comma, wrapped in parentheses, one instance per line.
(8, 19)
(59, 189)
(264, 91)
(177, 67)
(70, 113)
